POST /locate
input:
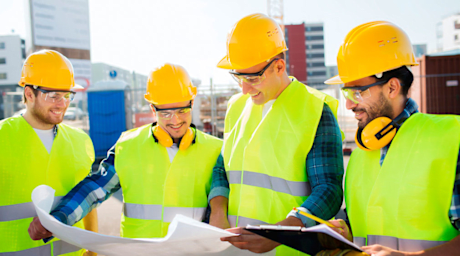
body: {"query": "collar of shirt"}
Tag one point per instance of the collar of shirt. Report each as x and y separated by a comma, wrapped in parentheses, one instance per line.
(411, 108)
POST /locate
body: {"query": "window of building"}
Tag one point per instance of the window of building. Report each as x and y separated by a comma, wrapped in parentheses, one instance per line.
(2, 76)
(317, 46)
(455, 37)
(2, 45)
(313, 28)
(457, 24)
(316, 64)
(317, 73)
(2, 60)
(315, 55)
(314, 38)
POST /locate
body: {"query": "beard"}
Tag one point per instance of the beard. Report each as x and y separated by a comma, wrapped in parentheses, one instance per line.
(40, 114)
(381, 107)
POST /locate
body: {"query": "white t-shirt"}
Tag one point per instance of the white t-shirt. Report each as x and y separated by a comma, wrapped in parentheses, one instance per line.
(267, 107)
(47, 138)
(172, 151)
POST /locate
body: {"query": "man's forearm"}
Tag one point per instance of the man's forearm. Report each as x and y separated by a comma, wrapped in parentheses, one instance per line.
(219, 209)
(450, 248)
(90, 221)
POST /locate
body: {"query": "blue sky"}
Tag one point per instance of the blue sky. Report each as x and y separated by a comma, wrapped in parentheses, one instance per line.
(142, 34)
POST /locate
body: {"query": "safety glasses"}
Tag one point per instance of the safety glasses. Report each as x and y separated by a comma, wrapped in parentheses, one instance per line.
(55, 95)
(251, 78)
(168, 113)
(359, 93)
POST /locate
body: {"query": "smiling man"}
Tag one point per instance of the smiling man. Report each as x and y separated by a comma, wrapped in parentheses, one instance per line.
(402, 187)
(163, 168)
(37, 149)
(282, 144)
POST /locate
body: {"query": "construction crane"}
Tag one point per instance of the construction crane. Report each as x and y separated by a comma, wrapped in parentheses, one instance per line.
(275, 11)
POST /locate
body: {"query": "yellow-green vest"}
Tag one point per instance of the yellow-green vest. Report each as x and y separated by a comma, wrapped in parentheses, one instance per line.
(25, 164)
(265, 159)
(154, 189)
(404, 203)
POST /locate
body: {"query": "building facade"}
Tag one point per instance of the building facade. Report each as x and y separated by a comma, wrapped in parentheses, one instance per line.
(306, 39)
(12, 56)
(448, 33)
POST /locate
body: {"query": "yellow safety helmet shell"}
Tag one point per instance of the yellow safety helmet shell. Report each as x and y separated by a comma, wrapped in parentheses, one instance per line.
(252, 40)
(48, 68)
(169, 84)
(370, 49)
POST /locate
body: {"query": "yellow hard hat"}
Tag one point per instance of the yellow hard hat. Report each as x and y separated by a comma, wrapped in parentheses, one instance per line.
(370, 49)
(169, 84)
(48, 68)
(252, 40)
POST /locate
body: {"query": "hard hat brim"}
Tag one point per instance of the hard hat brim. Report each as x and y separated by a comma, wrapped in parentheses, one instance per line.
(224, 63)
(334, 80)
(78, 87)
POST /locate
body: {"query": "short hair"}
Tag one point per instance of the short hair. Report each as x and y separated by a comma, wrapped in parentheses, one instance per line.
(24, 99)
(403, 74)
(281, 55)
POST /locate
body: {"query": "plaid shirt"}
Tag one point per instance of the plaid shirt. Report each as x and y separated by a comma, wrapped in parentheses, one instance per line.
(454, 211)
(324, 167)
(89, 193)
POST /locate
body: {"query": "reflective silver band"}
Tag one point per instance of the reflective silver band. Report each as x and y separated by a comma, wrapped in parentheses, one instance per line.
(21, 211)
(408, 245)
(196, 213)
(143, 211)
(359, 241)
(59, 247)
(295, 188)
(243, 221)
(154, 212)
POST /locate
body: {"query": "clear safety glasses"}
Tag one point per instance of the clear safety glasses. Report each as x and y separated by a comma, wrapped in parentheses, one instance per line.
(359, 93)
(251, 78)
(168, 113)
(55, 95)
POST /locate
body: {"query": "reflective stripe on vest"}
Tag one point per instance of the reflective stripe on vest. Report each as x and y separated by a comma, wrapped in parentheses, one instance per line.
(154, 212)
(359, 241)
(408, 245)
(26, 163)
(160, 189)
(243, 221)
(59, 247)
(404, 203)
(294, 188)
(21, 211)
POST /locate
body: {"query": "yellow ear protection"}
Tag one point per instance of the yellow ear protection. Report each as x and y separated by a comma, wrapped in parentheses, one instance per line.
(379, 132)
(162, 137)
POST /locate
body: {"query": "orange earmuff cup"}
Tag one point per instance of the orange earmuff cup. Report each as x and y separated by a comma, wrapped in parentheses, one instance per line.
(367, 140)
(166, 141)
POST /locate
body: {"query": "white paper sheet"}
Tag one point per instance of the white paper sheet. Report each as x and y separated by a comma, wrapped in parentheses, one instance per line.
(185, 235)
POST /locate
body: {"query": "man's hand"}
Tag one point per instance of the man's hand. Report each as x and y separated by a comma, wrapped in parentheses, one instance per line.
(250, 241)
(342, 228)
(255, 243)
(37, 231)
(379, 250)
(89, 253)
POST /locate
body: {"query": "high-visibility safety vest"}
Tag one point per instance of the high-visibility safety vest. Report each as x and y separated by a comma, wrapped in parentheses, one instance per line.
(25, 164)
(404, 203)
(265, 159)
(154, 189)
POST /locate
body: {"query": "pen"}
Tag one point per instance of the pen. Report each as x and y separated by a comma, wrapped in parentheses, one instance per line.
(314, 218)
